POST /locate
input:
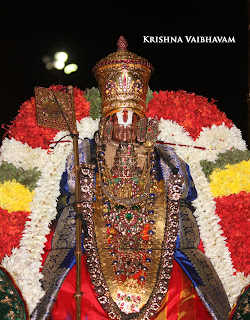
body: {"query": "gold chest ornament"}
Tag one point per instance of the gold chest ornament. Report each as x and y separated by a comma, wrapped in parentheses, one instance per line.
(132, 232)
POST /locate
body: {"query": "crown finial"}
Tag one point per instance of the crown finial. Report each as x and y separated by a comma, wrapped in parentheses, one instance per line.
(122, 43)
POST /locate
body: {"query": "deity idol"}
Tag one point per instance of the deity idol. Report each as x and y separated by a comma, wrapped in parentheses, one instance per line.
(141, 258)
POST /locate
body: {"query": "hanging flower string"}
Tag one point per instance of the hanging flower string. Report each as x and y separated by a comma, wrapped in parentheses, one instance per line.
(187, 121)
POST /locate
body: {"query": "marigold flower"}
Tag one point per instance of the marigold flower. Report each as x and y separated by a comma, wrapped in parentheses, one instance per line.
(233, 179)
(14, 196)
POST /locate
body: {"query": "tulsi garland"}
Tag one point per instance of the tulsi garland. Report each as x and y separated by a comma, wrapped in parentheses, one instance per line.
(232, 156)
(28, 178)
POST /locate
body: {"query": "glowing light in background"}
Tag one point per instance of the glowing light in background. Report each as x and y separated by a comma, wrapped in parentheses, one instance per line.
(58, 62)
(49, 65)
(59, 65)
(61, 56)
(70, 68)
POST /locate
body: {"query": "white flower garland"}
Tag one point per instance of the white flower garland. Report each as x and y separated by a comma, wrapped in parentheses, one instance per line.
(220, 139)
(25, 262)
(21, 155)
(208, 221)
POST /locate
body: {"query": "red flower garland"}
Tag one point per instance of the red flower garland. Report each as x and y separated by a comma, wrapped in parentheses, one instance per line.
(189, 110)
(11, 228)
(25, 129)
(234, 211)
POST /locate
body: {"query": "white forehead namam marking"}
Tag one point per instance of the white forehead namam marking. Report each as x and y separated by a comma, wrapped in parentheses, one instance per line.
(120, 117)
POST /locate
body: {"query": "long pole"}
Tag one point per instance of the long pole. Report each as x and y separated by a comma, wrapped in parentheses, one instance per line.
(78, 251)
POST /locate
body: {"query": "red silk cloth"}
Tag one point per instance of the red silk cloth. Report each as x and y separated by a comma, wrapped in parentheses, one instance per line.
(181, 301)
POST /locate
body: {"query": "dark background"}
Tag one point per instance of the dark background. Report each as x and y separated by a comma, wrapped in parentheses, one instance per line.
(89, 32)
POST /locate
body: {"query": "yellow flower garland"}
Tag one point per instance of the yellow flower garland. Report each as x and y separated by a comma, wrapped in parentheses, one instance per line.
(233, 179)
(14, 196)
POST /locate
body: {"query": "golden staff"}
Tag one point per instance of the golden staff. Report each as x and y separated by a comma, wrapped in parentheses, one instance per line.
(57, 110)
(78, 251)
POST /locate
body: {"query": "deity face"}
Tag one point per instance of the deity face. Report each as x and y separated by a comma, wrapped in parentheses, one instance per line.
(125, 126)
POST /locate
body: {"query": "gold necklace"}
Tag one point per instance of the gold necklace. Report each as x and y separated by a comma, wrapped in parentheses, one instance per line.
(125, 183)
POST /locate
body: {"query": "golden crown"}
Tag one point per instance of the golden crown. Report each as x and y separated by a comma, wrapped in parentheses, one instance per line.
(123, 80)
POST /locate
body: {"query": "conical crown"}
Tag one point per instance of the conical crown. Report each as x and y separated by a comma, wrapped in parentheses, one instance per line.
(123, 80)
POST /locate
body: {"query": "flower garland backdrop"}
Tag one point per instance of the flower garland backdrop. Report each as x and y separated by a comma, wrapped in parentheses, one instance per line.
(202, 135)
